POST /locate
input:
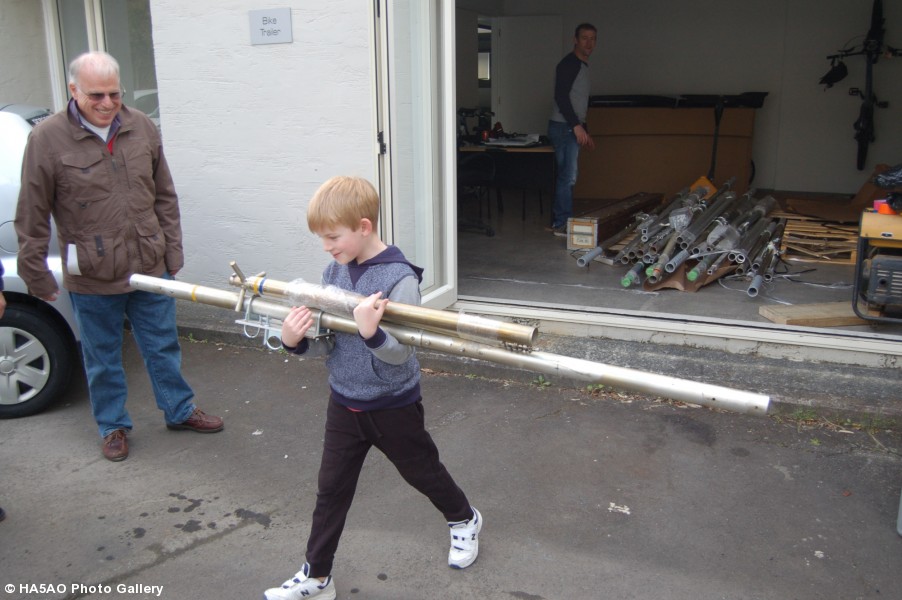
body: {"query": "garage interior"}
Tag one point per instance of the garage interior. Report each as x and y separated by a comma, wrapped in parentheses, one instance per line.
(505, 253)
(524, 263)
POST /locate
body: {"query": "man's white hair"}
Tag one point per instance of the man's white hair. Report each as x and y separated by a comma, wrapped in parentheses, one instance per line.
(104, 65)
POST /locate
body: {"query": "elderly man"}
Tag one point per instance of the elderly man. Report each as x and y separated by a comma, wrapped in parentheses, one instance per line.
(98, 168)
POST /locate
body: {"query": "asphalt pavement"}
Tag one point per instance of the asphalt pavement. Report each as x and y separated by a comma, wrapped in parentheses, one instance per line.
(585, 494)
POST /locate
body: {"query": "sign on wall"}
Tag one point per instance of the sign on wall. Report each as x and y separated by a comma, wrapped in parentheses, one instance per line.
(270, 26)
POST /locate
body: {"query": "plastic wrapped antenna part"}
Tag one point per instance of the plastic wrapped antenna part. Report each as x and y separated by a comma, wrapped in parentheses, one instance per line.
(329, 298)
(341, 303)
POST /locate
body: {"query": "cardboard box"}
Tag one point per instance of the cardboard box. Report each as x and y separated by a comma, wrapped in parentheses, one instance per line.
(582, 233)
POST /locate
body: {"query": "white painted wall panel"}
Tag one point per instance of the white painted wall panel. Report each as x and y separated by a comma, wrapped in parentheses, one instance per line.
(251, 131)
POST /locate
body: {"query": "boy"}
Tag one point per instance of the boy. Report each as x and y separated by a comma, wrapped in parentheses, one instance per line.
(375, 388)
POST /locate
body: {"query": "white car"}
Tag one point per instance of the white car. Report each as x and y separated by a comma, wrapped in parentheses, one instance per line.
(38, 339)
(147, 101)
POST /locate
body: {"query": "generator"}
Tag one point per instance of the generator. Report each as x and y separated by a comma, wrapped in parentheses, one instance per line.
(877, 288)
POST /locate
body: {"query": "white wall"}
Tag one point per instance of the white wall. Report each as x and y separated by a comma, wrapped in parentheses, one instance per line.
(251, 131)
(803, 135)
(24, 76)
(523, 90)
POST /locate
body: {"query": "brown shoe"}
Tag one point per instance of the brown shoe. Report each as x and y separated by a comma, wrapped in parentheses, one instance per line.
(200, 422)
(115, 446)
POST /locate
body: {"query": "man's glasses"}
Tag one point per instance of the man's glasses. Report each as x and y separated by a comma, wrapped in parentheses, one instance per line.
(99, 96)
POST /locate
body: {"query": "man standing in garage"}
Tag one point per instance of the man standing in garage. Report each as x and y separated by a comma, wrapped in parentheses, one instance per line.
(98, 168)
(567, 125)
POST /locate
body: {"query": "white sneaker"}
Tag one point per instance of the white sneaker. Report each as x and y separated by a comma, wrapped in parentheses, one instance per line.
(464, 542)
(302, 586)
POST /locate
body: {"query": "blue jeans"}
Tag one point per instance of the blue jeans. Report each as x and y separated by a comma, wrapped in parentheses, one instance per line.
(152, 316)
(566, 156)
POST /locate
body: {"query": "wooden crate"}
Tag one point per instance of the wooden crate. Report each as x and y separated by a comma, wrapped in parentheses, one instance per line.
(582, 233)
(587, 230)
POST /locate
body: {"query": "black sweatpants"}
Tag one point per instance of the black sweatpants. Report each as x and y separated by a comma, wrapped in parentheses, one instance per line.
(401, 435)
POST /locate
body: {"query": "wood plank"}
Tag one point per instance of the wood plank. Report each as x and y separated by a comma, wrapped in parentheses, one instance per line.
(815, 240)
(823, 234)
(828, 314)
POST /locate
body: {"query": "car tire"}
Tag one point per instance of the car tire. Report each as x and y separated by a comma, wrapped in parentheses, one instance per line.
(36, 361)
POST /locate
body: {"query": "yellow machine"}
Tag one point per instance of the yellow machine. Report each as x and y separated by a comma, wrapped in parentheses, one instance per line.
(878, 271)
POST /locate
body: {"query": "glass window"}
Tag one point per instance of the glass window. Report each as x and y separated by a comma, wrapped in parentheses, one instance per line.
(411, 123)
(73, 30)
(127, 34)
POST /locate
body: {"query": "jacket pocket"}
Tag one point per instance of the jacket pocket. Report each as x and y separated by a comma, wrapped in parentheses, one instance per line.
(86, 189)
(101, 257)
(151, 244)
(137, 160)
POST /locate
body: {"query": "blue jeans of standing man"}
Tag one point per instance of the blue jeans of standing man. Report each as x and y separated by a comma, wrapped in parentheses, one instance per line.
(152, 317)
(566, 155)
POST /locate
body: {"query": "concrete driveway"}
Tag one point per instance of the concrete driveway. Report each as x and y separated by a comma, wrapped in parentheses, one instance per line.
(584, 496)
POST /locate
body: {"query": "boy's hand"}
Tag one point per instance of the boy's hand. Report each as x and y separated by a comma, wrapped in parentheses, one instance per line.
(295, 325)
(368, 313)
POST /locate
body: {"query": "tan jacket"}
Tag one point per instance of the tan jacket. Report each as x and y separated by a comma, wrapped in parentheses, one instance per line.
(118, 210)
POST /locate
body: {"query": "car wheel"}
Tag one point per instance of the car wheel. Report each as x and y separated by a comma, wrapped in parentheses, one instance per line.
(35, 361)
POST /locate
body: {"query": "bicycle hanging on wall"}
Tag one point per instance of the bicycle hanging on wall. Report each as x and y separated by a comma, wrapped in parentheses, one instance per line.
(872, 48)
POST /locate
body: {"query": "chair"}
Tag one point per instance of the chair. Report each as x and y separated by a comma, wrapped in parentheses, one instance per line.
(520, 169)
(475, 178)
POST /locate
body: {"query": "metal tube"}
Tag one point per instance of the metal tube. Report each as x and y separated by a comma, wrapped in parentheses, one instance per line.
(899, 518)
(585, 259)
(676, 261)
(749, 239)
(771, 266)
(652, 232)
(655, 270)
(725, 220)
(722, 199)
(712, 396)
(634, 275)
(700, 267)
(654, 243)
(760, 257)
(756, 284)
(658, 216)
(318, 296)
(628, 252)
(704, 219)
(712, 268)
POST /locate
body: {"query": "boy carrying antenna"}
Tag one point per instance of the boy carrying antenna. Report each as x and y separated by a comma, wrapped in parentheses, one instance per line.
(375, 388)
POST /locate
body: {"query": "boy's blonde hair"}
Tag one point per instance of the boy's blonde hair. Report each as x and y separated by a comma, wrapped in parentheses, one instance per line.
(343, 201)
